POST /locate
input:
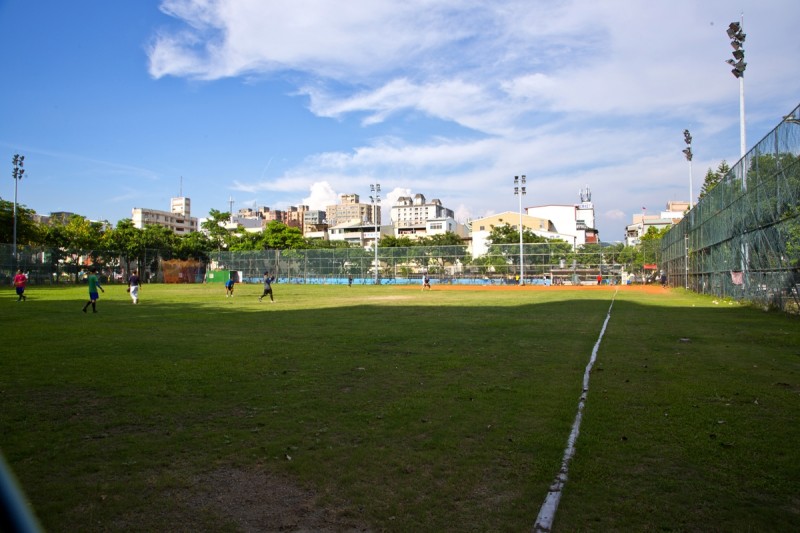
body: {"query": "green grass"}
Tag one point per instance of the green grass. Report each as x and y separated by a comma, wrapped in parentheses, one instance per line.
(399, 410)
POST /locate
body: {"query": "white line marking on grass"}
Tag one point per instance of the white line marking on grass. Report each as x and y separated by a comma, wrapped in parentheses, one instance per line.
(547, 513)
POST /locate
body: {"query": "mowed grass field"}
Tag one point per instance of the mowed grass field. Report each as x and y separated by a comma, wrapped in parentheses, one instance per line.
(391, 409)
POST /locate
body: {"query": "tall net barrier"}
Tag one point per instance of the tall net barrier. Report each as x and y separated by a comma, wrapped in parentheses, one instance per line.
(55, 266)
(180, 271)
(742, 239)
(546, 263)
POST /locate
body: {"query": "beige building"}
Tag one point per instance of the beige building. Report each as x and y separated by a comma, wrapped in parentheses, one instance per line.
(351, 209)
(178, 219)
(482, 227)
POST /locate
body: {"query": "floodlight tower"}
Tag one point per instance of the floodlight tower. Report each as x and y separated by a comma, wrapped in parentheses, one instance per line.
(737, 36)
(519, 190)
(18, 172)
(375, 198)
(687, 138)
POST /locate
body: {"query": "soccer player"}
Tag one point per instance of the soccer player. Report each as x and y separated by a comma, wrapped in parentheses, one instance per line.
(94, 284)
(426, 282)
(19, 282)
(133, 286)
(229, 288)
(268, 281)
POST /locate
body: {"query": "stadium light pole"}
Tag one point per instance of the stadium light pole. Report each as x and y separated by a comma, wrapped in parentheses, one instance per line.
(519, 190)
(18, 161)
(687, 138)
(737, 37)
(375, 198)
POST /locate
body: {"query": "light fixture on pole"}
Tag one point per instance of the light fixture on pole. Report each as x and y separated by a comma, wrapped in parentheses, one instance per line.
(737, 36)
(18, 172)
(519, 190)
(687, 138)
(375, 198)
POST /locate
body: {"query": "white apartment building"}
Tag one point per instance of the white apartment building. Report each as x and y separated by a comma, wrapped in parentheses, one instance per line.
(414, 217)
(641, 223)
(576, 222)
(178, 219)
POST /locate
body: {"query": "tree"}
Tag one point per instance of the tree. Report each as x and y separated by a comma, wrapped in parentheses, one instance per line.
(215, 228)
(194, 245)
(713, 178)
(71, 240)
(279, 236)
(126, 240)
(28, 231)
(390, 241)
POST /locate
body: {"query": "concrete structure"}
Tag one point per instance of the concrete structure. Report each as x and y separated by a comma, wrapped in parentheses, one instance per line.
(179, 219)
(357, 233)
(315, 224)
(351, 209)
(575, 221)
(414, 217)
(482, 227)
(641, 223)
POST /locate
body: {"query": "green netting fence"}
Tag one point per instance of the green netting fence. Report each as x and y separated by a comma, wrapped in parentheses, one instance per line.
(543, 264)
(742, 239)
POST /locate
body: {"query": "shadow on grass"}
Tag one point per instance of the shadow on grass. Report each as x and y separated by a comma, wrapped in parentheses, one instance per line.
(394, 411)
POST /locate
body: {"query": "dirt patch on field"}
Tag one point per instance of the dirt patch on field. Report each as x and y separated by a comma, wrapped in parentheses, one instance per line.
(649, 289)
(256, 500)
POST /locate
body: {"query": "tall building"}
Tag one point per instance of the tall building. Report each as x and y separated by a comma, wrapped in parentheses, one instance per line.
(178, 219)
(350, 209)
(411, 216)
(575, 222)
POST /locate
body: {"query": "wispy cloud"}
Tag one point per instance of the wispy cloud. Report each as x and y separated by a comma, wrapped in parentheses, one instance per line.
(571, 92)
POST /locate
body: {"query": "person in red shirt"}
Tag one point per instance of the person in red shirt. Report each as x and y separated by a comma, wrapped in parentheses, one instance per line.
(19, 282)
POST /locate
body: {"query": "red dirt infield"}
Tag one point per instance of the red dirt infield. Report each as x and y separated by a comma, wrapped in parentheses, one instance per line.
(649, 289)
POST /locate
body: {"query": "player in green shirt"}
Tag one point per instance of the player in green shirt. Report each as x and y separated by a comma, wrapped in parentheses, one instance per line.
(94, 284)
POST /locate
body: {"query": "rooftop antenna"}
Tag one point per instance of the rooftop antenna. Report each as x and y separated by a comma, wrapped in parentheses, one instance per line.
(180, 191)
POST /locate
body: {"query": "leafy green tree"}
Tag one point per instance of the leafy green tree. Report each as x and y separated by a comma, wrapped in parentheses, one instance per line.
(390, 241)
(126, 240)
(713, 177)
(279, 236)
(28, 232)
(194, 245)
(215, 228)
(73, 239)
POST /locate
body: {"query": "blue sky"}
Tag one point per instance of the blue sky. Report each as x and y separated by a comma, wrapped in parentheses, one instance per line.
(126, 104)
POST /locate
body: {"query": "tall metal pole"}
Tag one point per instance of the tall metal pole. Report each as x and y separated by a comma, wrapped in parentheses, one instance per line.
(736, 34)
(19, 161)
(519, 190)
(375, 189)
(687, 138)
(742, 129)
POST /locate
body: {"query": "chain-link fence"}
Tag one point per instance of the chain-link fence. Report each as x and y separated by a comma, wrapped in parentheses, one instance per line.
(542, 264)
(50, 266)
(742, 240)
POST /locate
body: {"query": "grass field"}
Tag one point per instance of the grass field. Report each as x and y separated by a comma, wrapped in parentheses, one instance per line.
(392, 409)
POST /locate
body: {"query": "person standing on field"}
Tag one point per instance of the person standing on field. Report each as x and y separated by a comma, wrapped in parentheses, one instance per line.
(426, 283)
(133, 286)
(229, 288)
(268, 281)
(20, 280)
(94, 284)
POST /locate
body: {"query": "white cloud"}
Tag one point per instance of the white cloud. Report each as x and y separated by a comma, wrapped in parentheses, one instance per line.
(321, 196)
(571, 93)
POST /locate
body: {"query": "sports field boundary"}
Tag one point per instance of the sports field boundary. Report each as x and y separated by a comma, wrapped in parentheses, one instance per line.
(547, 513)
